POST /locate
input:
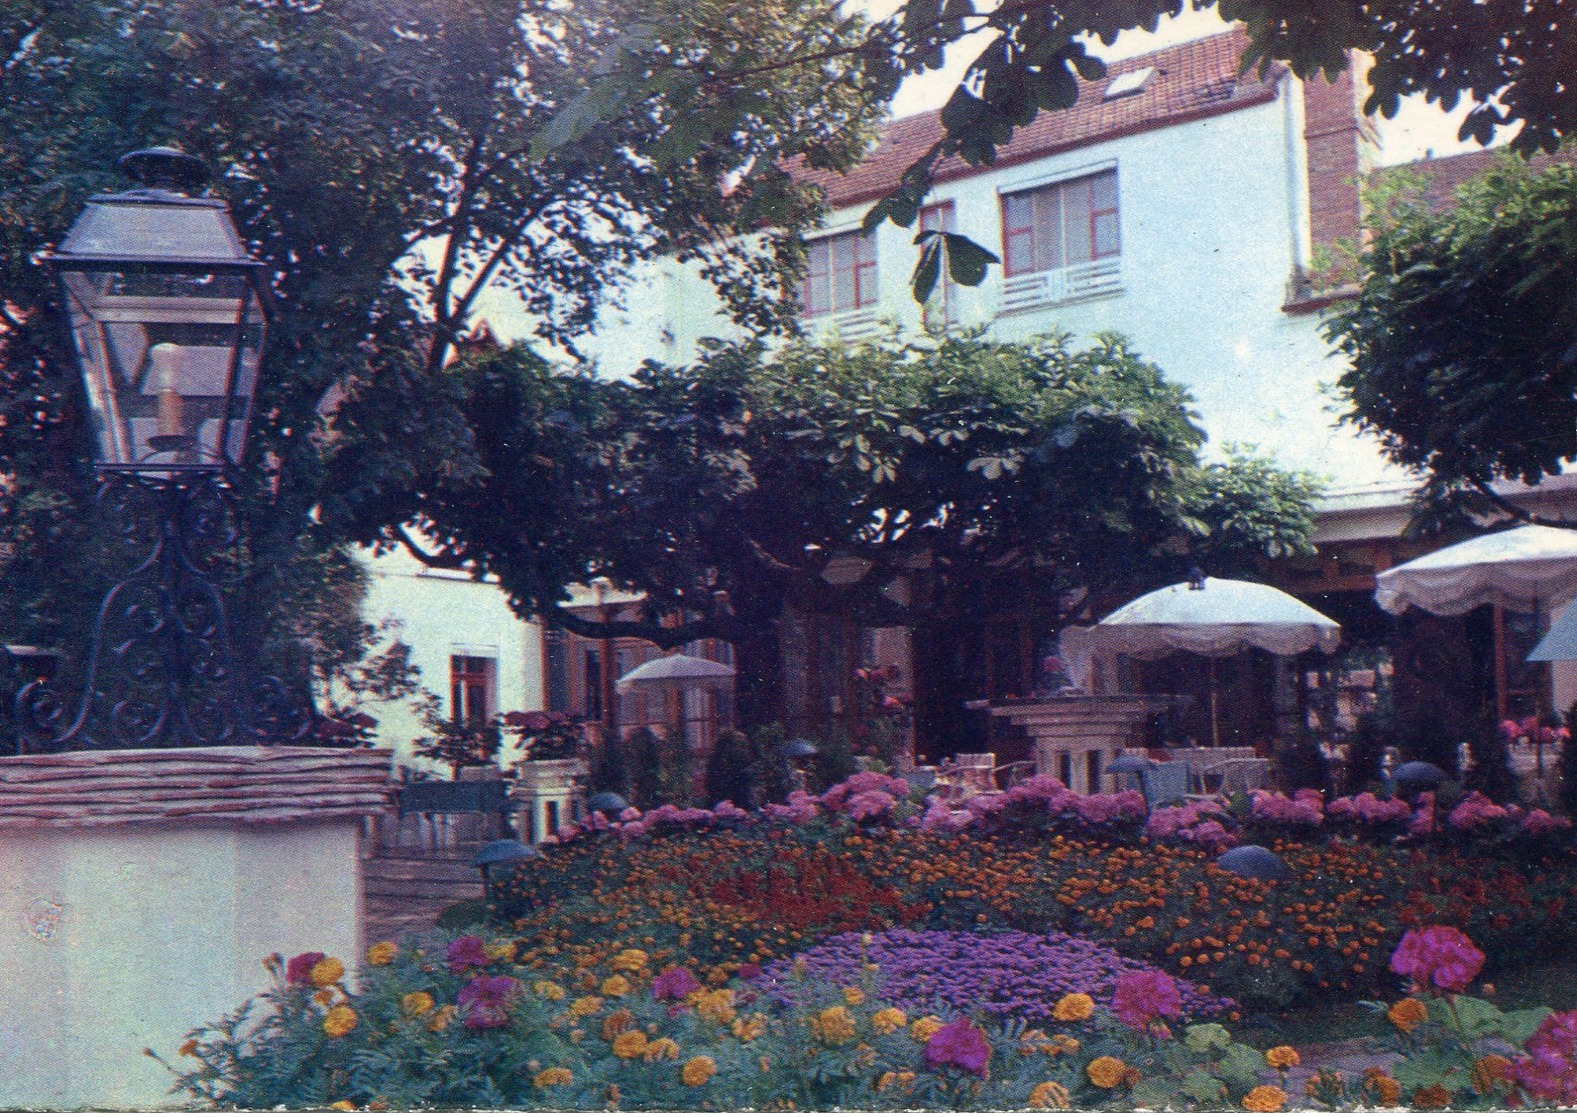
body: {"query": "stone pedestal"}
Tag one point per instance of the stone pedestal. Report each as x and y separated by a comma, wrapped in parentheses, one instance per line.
(1078, 736)
(140, 891)
(550, 794)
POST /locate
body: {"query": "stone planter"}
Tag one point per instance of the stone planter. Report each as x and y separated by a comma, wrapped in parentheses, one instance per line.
(550, 794)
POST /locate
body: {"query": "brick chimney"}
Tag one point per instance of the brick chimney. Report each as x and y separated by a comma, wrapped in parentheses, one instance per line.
(1340, 146)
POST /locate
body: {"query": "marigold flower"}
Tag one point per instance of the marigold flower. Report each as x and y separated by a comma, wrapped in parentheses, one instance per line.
(416, 1004)
(1064, 1044)
(325, 997)
(1407, 1013)
(749, 1027)
(661, 1048)
(342, 1106)
(585, 1006)
(1431, 1097)
(299, 969)
(1074, 1007)
(442, 1018)
(716, 1007)
(1106, 1071)
(924, 1028)
(1489, 1070)
(340, 1021)
(326, 972)
(885, 1021)
(549, 990)
(895, 1080)
(832, 1026)
(501, 951)
(853, 995)
(1265, 1099)
(630, 961)
(1388, 1089)
(1283, 1057)
(382, 953)
(616, 1022)
(553, 1076)
(630, 1044)
(1050, 1095)
(697, 1071)
(615, 986)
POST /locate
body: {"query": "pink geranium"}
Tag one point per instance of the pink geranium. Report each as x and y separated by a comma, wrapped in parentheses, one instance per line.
(485, 1001)
(466, 952)
(1548, 1072)
(1474, 811)
(1142, 996)
(960, 1044)
(1439, 956)
(1536, 823)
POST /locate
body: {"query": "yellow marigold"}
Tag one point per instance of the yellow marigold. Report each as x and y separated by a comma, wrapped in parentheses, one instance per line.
(631, 960)
(548, 990)
(697, 1071)
(342, 1106)
(585, 1006)
(895, 1080)
(717, 975)
(382, 953)
(416, 1004)
(341, 1019)
(1050, 1095)
(501, 951)
(1489, 1070)
(716, 1006)
(325, 997)
(1283, 1057)
(1074, 1007)
(1432, 1097)
(630, 1045)
(553, 1076)
(1106, 1071)
(615, 986)
(1265, 1099)
(853, 995)
(661, 1048)
(326, 972)
(885, 1021)
(1064, 1044)
(442, 1018)
(751, 1027)
(924, 1028)
(832, 1026)
(1407, 1013)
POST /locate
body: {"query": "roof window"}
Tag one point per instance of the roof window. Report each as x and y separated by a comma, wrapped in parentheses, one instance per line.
(1125, 85)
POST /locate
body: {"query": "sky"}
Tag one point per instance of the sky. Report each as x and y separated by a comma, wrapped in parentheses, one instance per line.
(1417, 130)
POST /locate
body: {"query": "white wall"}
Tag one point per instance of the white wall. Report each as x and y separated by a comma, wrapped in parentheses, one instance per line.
(1213, 215)
(442, 613)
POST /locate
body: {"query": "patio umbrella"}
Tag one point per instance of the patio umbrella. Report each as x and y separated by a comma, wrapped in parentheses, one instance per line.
(1212, 617)
(677, 672)
(1560, 642)
(1514, 569)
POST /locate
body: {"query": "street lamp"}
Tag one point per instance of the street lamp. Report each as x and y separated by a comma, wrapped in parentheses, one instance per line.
(167, 315)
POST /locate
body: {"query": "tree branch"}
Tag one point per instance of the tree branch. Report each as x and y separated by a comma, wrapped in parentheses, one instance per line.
(443, 559)
(1516, 511)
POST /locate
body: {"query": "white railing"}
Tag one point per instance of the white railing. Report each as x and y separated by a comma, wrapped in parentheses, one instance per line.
(850, 325)
(1080, 281)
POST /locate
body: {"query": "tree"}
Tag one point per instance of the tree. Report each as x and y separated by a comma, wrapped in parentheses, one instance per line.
(1513, 62)
(894, 484)
(391, 160)
(1461, 334)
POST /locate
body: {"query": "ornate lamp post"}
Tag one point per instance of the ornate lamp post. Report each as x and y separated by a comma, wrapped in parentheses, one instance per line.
(167, 315)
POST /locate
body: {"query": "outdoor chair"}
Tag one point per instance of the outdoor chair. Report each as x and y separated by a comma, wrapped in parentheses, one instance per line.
(1230, 776)
(1164, 783)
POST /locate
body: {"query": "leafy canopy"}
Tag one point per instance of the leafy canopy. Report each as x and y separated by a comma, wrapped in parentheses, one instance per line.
(1463, 335)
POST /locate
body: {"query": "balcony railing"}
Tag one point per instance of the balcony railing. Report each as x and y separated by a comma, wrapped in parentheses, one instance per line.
(850, 325)
(1079, 281)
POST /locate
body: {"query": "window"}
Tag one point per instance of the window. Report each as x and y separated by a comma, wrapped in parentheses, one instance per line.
(471, 687)
(841, 274)
(1060, 225)
(940, 309)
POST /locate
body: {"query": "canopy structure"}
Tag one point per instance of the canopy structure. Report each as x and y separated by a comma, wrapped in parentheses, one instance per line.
(677, 672)
(1212, 617)
(1560, 642)
(1517, 570)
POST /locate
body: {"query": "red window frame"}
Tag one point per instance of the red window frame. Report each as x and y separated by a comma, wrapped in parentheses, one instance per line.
(941, 217)
(819, 290)
(471, 687)
(1042, 216)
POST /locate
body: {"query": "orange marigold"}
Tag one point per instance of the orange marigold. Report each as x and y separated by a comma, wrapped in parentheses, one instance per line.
(1265, 1099)
(327, 972)
(1050, 1095)
(549, 990)
(1407, 1013)
(1283, 1057)
(615, 986)
(553, 1076)
(630, 1045)
(832, 1026)
(442, 1018)
(1489, 1070)
(340, 1021)
(1074, 1007)
(660, 1049)
(1106, 1071)
(416, 1004)
(885, 1021)
(748, 1028)
(1432, 1097)
(697, 1071)
(382, 953)
(924, 1028)
(617, 1023)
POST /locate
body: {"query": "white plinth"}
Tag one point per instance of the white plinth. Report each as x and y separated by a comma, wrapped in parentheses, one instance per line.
(140, 891)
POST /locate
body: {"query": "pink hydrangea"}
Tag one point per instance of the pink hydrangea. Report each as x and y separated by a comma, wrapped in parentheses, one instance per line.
(568, 832)
(938, 818)
(1304, 809)
(800, 809)
(629, 814)
(867, 805)
(1537, 822)
(1142, 996)
(1440, 956)
(959, 1044)
(1423, 821)
(836, 796)
(1046, 792)
(727, 812)
(674, 984)
(1197, 821)
(1101, 808)
(1475, 810)
(635, 829)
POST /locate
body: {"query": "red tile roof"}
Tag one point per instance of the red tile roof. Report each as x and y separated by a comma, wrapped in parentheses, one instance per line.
(1192, 80)
(1445, 174)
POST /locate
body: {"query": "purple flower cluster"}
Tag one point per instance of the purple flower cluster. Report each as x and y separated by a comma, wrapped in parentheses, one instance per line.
(1548, 1072)
(1369, 810)
(1305, 808)
(1200, 821)
(1438, 956)
(1009, 972)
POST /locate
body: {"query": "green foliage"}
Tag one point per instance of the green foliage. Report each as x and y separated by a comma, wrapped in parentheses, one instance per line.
(731, 770)
(1461, 334)
(659, 768)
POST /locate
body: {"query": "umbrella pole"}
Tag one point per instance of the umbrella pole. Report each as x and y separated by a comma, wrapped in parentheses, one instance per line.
(1215, 717)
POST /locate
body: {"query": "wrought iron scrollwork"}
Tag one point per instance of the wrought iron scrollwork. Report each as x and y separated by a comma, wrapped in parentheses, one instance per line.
(161, 672)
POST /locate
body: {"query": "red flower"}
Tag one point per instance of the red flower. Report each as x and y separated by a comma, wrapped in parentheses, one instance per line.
(1440, 956)
(485, 1001)
(958, 1044)
(298, 971)
(1143, 995)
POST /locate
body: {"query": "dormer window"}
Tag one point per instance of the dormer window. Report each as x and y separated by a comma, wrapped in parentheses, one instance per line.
(840, 276)
(1126, 85)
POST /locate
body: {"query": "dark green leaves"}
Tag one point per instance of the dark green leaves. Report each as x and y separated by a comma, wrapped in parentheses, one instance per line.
(965, 261)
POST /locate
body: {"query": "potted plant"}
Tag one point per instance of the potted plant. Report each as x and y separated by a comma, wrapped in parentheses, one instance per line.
(553, 745)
